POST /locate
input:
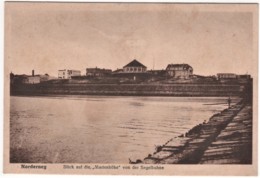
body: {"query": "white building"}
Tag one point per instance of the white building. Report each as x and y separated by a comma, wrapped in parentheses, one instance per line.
(67, 74)
(179, 70)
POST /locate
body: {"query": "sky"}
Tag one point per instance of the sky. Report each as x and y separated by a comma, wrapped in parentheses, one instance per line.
(48, 37)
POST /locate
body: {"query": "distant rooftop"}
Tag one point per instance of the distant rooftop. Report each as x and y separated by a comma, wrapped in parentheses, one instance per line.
(185, 66)
(226, 74)
(68, 69)
(135, 63)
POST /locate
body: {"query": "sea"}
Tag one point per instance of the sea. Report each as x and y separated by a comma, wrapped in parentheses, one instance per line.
(101, 129)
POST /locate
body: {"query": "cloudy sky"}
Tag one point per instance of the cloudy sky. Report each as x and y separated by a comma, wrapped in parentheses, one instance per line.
(47, 37)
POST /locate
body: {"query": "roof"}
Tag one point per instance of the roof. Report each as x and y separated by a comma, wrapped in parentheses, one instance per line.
(185, 66)
(35, 76)
(69, 70)
(23, 75)
(226, 74)
(98, 70)
(134, 63)
(118, 70)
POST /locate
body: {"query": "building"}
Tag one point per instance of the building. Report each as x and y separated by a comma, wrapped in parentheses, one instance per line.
(134, 67)
(245, 76)
(32, 79)
(44, 78)
(25, 79)
(179, 70)
(97, 72)
(118, 71)
(157, 72)
(226, 76)
(67, 74)
(29, 79)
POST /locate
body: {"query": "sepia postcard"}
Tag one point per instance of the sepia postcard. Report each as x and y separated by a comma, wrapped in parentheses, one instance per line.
(130, 88)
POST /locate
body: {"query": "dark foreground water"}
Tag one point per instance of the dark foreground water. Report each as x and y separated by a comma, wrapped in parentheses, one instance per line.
(98, 129)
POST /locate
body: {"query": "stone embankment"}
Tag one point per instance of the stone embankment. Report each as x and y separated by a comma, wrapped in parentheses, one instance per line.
(225, 138)
(217, 89)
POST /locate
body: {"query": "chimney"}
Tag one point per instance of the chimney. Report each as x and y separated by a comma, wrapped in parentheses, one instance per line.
(33, 73)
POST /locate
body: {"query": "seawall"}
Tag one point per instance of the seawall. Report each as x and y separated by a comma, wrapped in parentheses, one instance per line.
(225, 139)
(131, 89)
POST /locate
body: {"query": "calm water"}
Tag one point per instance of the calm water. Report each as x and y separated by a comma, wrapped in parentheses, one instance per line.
(97, 129)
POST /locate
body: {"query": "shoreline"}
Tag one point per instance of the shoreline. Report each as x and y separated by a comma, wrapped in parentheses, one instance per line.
(217, 141)
(164, 96)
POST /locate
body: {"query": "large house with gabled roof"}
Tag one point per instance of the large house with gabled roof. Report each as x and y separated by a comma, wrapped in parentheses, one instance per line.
(134, 67)
(179, 70)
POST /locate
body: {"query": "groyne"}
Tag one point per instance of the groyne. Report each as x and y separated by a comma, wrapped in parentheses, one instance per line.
(225, 139)
(131, 89)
